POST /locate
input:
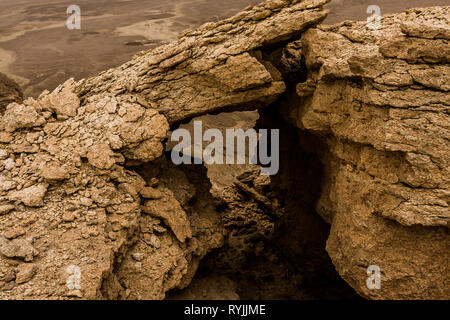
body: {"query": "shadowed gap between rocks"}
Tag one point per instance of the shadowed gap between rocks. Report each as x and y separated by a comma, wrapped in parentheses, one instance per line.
(264, 257)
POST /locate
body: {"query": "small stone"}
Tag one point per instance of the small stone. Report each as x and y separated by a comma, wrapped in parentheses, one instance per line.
(68, 217)
(261, 182)
(101, 156)
(122, 111)
(9, 164)
(55, 173)
(18, 116)
(160, 229)
(63, 101)
(3, 154)
(152, 240)
(170, 211)
(6, 184)
(116, 227)
(154, 182)
(75, 294)
(87, 202)
(25, 272)
(10, 275)
(14, 233)
(32, 137)
(138, 266)
(138, 256)
(134, 112)
(9, 286)
(81, 111)
(114, 141)
(5, 137)
(111, 107)
(30, 220)
(112, 235)
(17, 248)
(32, 196)
(141, 100)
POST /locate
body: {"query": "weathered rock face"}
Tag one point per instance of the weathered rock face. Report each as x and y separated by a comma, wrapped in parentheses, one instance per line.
(379, 101)
(9, 92)
(214, 68)
(93, 227)
(91, 208)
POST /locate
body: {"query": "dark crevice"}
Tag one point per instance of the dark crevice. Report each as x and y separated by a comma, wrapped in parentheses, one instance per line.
(301, 234)
(269, 258)
(265, 255)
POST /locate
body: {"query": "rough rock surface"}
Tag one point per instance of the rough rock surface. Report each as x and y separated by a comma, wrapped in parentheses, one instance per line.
(91, 208)
(214, 68)
(379, 101)
(66, 186)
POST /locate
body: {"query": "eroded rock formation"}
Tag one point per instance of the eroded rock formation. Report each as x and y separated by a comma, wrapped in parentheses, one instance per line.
(90, 207)
(380, 103)
(68, 200)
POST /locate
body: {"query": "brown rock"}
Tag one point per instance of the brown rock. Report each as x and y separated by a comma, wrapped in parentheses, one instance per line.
(18, 116)
(54, 173)
(169, 210)
(25, 272)
(31, 196)
(376, 101)
(4, 209)
(14, 233)
(17, 248)
(211, 76)
(68, 217)
(62, 100)
(101, 156)
(150, 193)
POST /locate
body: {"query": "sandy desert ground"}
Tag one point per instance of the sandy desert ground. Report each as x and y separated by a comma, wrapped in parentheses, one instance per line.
(39, 52)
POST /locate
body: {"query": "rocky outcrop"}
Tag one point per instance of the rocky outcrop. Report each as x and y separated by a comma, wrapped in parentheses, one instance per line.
(91, 208)
(9, 92)
(378, 100)
(214, 68)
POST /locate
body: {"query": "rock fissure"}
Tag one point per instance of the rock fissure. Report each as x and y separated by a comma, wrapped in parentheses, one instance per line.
(92, 207)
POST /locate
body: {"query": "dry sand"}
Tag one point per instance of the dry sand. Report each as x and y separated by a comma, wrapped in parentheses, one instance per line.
(38, 51)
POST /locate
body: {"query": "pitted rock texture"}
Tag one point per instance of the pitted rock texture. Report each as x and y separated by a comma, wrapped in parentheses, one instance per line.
(74, 202)
(380, 101)
(181, 227)
(9, 92)
(76, 219)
